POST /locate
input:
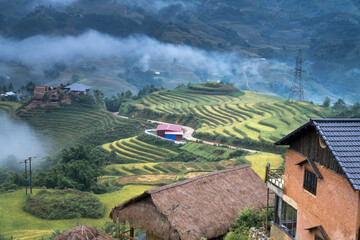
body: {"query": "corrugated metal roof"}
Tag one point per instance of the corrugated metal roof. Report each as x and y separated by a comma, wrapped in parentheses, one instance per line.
(342, 136)
(169, 127)
(78, 87)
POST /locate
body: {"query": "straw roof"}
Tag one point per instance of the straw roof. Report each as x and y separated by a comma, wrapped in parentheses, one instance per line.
(39, 92)
(204, 206)
(83, 233)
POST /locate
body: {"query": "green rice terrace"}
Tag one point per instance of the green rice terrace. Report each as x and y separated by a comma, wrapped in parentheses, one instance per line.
(155, 165)
(243, 115)
(72, 124)
(134, 150)
(9, 107)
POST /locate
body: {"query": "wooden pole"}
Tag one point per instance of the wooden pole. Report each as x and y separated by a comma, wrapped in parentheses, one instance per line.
(30, 175)
(267, 195)
(132, 232)
(25, 177)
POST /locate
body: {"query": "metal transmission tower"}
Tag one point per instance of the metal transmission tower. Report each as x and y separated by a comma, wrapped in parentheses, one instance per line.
(297, 84)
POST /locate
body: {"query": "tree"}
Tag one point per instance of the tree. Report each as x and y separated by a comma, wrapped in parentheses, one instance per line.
(326, 102)
(11, 87)
(30, 87)
(128, 94)
(339, 105)
(356, 108)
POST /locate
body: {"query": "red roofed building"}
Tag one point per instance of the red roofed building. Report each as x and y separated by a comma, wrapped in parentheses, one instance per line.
(173, 132)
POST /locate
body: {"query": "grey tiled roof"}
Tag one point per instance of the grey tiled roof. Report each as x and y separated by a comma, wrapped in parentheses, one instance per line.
(342, 136)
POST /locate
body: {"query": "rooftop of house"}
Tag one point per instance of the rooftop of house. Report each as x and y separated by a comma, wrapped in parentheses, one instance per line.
(169, 127)
(342, 137)
(203, 206)
(83, 232)
(78, 87)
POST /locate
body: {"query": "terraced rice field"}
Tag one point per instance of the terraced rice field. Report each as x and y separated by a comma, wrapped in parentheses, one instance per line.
(207, 151)
(9, 107)
(68, 123)
(135, 150)
(254, 116)
(156, 173)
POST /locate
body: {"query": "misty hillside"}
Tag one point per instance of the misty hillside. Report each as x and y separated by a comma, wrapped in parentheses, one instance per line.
(328, 32)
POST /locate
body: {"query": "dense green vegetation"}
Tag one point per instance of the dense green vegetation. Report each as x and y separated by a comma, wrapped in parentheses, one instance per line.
(247, 219)
(64, 204)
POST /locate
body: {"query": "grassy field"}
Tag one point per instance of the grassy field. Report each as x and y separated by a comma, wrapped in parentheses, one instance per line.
(15, 222)
(9, 107)
(252, 115)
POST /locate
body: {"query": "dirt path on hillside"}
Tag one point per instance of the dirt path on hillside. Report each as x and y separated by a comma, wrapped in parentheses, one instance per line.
(188, 132)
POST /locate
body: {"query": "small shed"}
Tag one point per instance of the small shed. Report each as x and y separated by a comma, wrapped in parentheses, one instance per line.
(204, 206)
(169, 131)
(77, 88)
(83, 233)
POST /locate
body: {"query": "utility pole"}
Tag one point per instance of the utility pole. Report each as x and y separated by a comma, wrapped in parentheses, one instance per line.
(25, 161)
(30, 158)
(297, 84)
(26, 183)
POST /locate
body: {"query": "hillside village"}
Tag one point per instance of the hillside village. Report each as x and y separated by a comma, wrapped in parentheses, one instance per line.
(179, 120)
(177, 170)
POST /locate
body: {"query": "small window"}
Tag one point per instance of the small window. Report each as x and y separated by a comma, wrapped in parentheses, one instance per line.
(318, 238)
(310, 181)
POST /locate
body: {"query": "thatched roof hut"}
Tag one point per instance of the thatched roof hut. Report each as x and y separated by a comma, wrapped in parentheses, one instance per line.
(39, 92)
(83, 233)
(204, 206)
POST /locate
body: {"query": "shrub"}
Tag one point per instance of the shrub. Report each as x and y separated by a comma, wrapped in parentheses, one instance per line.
(64, 204)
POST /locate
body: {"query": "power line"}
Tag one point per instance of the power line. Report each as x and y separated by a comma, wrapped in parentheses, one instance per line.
(297, 87)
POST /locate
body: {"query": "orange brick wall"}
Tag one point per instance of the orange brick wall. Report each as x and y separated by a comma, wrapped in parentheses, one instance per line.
(335, 206)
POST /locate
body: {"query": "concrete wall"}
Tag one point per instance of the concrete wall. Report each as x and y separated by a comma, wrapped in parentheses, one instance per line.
(335, 205)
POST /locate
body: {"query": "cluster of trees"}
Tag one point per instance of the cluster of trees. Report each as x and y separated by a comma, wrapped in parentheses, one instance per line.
(114, 103)
(140, 78)
(341, 109)
(76, 168)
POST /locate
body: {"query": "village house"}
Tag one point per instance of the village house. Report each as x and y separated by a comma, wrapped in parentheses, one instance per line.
(169, 131)
(317, 196)
(203, 206)
(77, 88)
(39, 93)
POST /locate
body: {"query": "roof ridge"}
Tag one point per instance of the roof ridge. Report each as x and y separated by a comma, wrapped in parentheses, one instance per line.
(335, 119)
(181, 183)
